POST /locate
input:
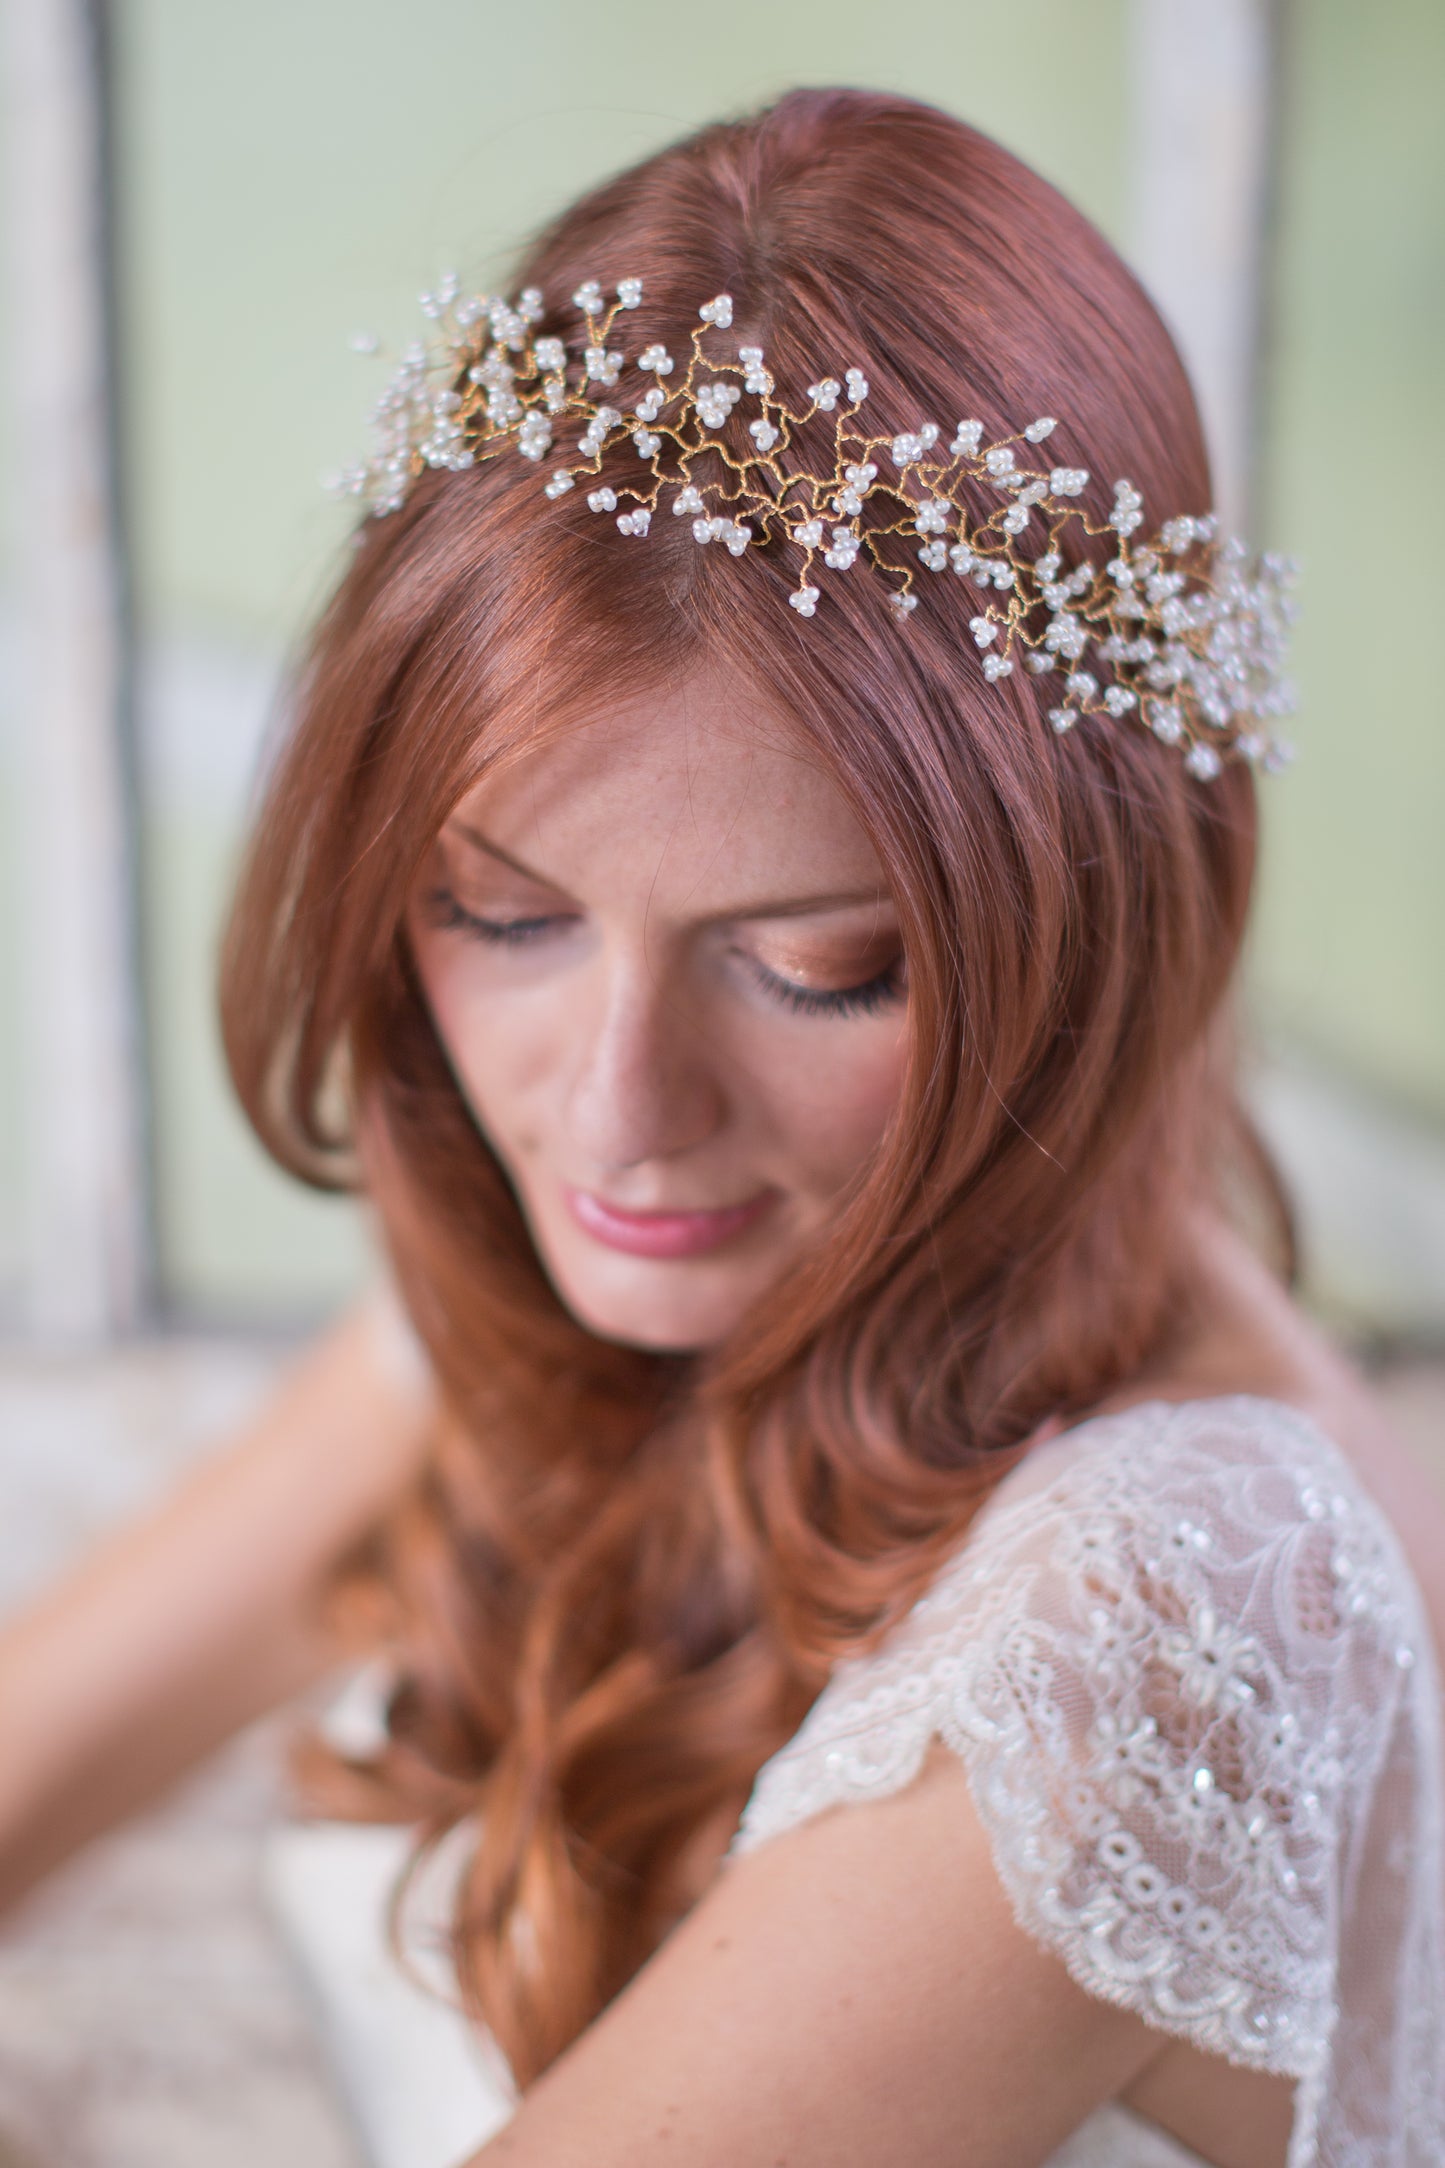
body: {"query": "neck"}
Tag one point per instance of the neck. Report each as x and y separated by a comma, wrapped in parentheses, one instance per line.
(1240, 1333)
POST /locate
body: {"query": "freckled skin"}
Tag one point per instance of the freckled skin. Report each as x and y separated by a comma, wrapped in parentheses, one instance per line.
(632, 1042)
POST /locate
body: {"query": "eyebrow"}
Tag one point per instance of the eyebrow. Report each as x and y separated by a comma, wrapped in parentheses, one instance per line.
(784, 907)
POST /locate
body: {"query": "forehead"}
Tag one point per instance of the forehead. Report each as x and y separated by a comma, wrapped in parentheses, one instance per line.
(692, 790)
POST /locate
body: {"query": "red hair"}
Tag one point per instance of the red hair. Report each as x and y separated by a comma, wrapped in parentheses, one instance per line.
(624, 1576)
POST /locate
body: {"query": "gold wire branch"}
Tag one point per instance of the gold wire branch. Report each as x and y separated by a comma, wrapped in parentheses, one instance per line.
(1183, 633)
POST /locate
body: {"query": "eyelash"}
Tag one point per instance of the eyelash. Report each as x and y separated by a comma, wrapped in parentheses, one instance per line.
(505, 933)
(865, 1000)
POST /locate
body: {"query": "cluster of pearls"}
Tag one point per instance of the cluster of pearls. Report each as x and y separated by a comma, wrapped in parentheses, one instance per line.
(1184, 633)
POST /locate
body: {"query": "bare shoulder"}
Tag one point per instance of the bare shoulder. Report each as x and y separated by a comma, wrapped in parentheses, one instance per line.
(358, 1401)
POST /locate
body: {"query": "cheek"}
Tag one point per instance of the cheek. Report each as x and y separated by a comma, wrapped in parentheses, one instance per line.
(832, 1101)
(501, 1048)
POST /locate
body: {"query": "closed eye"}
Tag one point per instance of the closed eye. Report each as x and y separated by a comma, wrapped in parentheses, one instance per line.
(868, 998)
(455, 918)
(865, 999)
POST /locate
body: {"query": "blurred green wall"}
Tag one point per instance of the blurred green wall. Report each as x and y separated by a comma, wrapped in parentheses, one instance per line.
(292, 172)
(1348, 946)
(297, 168)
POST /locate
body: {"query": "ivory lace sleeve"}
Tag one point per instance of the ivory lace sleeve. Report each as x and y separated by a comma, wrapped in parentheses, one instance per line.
(1187, 1668)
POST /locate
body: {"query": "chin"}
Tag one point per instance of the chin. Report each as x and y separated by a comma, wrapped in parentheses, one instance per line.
(660, 1319)
(658, 1329)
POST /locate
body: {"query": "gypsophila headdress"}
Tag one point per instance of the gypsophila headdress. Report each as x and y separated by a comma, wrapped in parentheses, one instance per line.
(1184, 633)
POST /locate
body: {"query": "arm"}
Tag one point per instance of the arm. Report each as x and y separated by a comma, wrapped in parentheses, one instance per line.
(179, 1630)
(857, 1988)
(854, 1991)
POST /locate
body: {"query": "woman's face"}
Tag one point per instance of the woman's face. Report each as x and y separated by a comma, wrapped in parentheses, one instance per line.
(663, 963)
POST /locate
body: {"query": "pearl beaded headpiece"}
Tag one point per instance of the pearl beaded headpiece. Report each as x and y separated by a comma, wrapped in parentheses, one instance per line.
(1183, 633)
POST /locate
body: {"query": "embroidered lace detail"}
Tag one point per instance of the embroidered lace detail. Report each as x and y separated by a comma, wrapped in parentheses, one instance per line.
(1187, 1669)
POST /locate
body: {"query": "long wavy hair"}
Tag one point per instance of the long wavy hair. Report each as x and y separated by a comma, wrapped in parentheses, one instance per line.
(623, 1576)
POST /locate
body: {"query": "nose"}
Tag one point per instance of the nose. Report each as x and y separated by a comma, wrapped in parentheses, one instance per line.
(645, 1084)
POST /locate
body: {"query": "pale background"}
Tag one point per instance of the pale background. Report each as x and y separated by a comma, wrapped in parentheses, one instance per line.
(287, 173)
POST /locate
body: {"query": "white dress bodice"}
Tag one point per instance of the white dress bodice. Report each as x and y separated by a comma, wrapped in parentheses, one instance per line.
(1187, 1669)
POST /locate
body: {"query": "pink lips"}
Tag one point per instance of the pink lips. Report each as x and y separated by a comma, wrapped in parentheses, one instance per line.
(663, 1234)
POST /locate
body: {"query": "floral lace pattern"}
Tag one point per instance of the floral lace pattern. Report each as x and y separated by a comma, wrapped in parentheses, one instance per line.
(1187, 1668)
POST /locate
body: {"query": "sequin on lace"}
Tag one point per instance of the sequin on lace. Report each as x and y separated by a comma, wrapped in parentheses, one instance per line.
(1187, 1668)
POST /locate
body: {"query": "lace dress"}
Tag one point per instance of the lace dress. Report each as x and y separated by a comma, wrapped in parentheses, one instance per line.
(1188, 1672)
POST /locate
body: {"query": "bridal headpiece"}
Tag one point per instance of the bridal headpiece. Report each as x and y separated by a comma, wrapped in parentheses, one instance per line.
(1181, 632)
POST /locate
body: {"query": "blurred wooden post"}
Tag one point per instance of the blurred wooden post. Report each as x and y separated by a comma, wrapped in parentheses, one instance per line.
(1205, 97)
(86, 1250)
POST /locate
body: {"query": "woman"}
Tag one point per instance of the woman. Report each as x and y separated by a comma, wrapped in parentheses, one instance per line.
(784, 1039)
